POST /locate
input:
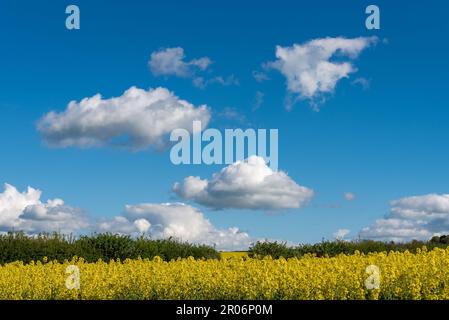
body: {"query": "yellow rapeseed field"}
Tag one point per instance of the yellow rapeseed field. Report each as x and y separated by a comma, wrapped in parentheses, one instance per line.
(233, 254)
(423, 275)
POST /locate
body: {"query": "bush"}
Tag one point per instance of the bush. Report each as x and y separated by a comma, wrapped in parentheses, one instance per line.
(273, 249)
(20, 247)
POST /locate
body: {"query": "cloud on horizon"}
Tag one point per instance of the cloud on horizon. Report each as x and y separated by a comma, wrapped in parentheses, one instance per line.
(416, 217)
(340, 234)
(178, 220)
(24, 211)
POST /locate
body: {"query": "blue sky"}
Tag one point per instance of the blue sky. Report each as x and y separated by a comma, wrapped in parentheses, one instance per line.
(381, 143)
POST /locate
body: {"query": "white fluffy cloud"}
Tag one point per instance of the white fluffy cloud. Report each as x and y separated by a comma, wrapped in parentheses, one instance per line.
(25, 212)
(171, 61)
(417, 217)
(248, 184)
(427, 207)
(176, 220)
(309, 69)
(137, 119)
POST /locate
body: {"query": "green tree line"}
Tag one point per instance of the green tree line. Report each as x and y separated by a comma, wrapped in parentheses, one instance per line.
(333, 248)
(21, 247)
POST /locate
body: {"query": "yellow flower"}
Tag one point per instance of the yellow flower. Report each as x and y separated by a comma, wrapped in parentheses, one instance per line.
(400, 276)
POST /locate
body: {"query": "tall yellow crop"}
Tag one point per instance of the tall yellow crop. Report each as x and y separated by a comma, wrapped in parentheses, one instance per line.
(422, 275)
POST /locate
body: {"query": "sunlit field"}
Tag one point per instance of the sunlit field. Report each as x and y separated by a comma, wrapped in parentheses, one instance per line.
(233, 254)
(420, 275)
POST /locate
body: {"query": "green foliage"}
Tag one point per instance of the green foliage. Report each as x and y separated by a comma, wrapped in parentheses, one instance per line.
(273, 249)
(333, 248)
(440, 240)
(20, 247)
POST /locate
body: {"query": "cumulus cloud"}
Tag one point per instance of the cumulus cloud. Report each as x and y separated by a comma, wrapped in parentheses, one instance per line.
(340, 234)
(315, 67)
(171, 61)
(427, 207)
(25, 212)
(138, 119)
(248, 184)
(416, 217)
(121, 225)
(177, 220)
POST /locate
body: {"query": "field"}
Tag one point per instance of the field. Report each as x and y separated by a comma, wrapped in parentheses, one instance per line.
(233, 254)
(402, 275)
